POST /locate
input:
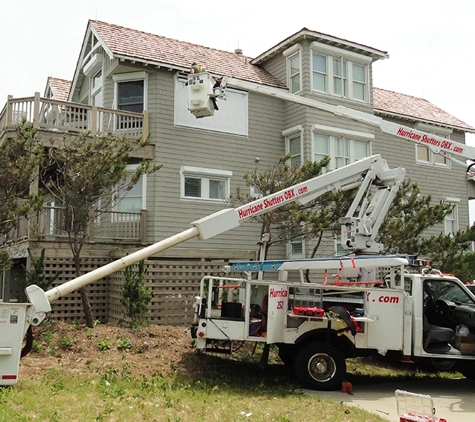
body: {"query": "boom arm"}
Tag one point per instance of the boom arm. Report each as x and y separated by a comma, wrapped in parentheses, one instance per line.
(435, 143)
(359, 230)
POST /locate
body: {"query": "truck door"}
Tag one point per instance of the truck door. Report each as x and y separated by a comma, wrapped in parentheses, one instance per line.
(278, 299)
(386, 309)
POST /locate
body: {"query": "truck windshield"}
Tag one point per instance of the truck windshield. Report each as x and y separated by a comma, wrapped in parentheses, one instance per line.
(449, 290)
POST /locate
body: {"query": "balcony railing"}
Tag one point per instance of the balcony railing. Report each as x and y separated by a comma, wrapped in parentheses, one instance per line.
(54, 115)
(104, 226)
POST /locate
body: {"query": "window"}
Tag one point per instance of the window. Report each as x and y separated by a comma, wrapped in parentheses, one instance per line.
(294, 68)
(135, 199)
(319, 72)
(451, 224)
(130, 96)
(424, 155)
(359, 82)
(341, 145)
(293, 145)
(294, 73)
(232, 116)
(339, 72)
(340, 79)
(296, 245)
(255, 192)
(96, 89)
(208, 184)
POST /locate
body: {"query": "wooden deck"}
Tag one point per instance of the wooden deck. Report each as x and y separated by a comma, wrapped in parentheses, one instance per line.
(55, 118)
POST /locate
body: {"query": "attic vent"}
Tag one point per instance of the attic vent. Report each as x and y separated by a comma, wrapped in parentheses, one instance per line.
(93, 65)
(238, 51)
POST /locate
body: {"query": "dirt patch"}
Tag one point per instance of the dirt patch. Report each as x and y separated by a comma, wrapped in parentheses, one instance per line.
(77, 349)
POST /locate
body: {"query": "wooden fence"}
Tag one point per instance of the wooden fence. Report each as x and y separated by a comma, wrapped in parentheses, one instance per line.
(173, 284)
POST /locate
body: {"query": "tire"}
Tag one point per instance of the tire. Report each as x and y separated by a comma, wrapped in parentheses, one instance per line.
(320, 366)
(467, 369)
(27, 342)
(439, 365)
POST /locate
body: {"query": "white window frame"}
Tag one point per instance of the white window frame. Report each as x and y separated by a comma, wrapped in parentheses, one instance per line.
(294, 52)
(290, 250)
(255, 192)
(433, 158)
(95, 90)
(451, 221)
(333, 134)
(290, 134)
(349, 58)
(130, 77)
(205, 174)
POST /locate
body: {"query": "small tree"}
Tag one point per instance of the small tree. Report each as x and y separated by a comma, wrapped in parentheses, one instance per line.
(85, 173)
(19, 160)
(134, 296)
(452, 253)
(36, 274)
(282, 224)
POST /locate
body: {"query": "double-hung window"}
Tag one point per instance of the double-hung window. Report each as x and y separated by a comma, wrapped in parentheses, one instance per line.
(451, 223)
(133, 200)
(339, 72)
(424, 155)
(341, 145)
(294, 68)
(293, 145)
(130, 94)
(296, 245)
(205, 184)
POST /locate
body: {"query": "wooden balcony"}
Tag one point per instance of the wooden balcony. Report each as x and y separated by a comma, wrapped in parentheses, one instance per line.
(56, 118)
(105, 226)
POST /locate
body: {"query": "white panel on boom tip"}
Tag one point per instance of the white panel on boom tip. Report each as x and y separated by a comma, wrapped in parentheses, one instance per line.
(217, 223)
(38, 299)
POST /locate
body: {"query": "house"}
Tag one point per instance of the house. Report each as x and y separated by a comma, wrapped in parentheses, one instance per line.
(131, 82)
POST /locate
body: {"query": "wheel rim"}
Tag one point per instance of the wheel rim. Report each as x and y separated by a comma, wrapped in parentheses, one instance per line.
(321, 367)
(443, 364)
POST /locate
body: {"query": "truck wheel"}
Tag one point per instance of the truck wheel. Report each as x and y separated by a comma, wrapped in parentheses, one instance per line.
(320, 366)
(467, 369)
(441, 365)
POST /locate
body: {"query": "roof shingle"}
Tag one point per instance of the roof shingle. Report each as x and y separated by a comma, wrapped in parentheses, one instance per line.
(60, 88)
(414, 108)
(157, 49)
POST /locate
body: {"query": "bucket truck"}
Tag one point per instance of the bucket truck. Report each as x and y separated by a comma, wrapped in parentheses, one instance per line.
(370, 304)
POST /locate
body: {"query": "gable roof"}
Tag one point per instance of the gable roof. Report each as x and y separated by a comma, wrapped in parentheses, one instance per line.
(158, 50)
(305, 33)
(412, 108)
(59, 87)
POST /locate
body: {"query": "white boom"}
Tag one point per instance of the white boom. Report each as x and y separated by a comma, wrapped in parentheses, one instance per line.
(358, 229)
(202, 86)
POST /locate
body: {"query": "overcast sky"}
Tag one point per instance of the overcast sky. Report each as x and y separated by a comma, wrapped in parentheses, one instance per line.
(430, 43)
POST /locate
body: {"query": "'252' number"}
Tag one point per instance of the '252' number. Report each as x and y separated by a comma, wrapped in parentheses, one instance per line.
(280, 304)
